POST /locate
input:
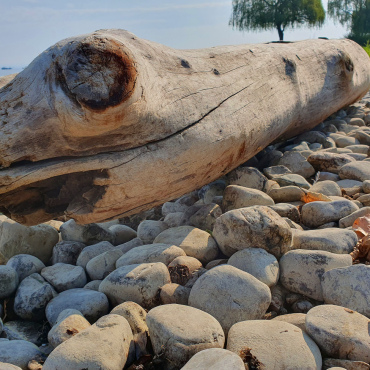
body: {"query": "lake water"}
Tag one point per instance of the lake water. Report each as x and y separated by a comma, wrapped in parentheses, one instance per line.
(5, 72)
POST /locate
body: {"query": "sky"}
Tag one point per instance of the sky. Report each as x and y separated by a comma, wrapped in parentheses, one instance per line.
(28, 27)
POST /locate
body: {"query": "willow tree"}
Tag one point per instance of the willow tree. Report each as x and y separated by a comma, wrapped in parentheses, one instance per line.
(276, 14)
(355, 14)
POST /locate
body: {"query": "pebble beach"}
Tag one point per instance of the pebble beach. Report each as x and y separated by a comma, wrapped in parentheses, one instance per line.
(266, 268)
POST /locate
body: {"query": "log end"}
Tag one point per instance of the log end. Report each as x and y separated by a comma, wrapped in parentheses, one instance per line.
(98, 73)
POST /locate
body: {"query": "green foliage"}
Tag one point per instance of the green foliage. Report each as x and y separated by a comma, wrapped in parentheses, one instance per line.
(355, 14)
(276, 14)
(367, 48)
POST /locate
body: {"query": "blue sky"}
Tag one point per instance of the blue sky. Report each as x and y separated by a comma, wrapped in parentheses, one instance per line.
(27, 27)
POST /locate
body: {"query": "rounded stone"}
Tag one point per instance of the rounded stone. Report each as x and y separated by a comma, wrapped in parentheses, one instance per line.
(215, 359)
(331, 239)
(349, 220)
(230, 295)
(122, 234)
(104, 345)
(297, 163)
(174, 293)
(301, 271)
(327, 188)
(90, 303)
(148, 230)
(37, 240)
(257, 262)
(329, 162)
(19, 353)
(8, 281)
(348, 287)
(92, 251)
(66, 328)
(239, 197)
(286, 194)
(103, 264)
(137, 283)
(150, 253)
(67, 252)
(315, 214)
(273, 345)
(172, 207)
(339, 332)
(178, 332)
(292, 179)
(359, 171)
(350, 187)
(25, 265)
(248, 177)
(88, 234)
(64, 277)
(195, 242)
(297, 319)
(256, 227)
(33, 295)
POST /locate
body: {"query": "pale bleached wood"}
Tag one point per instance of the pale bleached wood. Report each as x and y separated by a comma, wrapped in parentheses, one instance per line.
(110, 124)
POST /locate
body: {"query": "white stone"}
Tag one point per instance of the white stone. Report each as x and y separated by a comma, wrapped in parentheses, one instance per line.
(66, 328)
(137, 283)
(329, 162)
(122, 234)
(88, 234)
(37, 240)
(297, 319)
(257, 262)
(178, 332)
(327, 188)
(332, 240)
(348, 287)
(239, 197)
(215, 359)
(356, 171)
(148, 230)
(150, 253)
(92, 251)
(274, 345)
(104, 345)
(301, 270)
(315, 214)
(349, 220)
(63, 276)
(195, 242)
(248, 177)
(256, 227)
(339, 332)
(103, 264)
(230, 295)
(286, 194)
(90, 303)
(297, 163)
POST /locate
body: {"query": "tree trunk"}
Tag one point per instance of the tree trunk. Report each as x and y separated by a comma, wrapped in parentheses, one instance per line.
(106, 125)
(280, 32)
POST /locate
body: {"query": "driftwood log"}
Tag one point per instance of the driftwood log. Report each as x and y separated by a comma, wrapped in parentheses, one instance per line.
(106, 124)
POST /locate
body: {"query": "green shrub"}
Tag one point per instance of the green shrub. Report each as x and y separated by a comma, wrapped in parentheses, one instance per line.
(367, 48)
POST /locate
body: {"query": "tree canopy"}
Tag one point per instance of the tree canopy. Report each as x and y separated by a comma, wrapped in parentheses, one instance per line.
(276, 14)
(355, 14)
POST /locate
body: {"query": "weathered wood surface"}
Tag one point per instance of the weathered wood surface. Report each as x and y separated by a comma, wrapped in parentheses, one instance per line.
(107, 124)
